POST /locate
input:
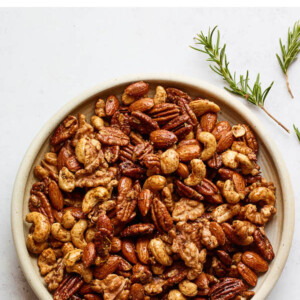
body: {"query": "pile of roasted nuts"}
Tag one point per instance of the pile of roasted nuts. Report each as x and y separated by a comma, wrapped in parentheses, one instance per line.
(153, 199)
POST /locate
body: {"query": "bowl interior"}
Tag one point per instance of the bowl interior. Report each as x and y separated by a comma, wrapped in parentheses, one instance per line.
(228, 112)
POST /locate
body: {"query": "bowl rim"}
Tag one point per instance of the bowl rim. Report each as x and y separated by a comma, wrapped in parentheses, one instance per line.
(17, 219)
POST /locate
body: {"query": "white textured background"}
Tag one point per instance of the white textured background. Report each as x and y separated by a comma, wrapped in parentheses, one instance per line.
(48, 56)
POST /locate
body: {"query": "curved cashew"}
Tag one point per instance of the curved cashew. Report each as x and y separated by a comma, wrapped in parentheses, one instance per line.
(198, 172)
(41, 226)
(262, 194)
(210, 144)
(229, 159)
(86, 273)
(225, 212)
(90, 234)
(68, 220)
(72, 257)
(245, 163)
(35, 247)
(176, 295)
(94, 196)
(230, 194)
(77, 234)
(66, 248)
(202, 106)
(60, 233)
(155, 183)
(66, 180)
(158, 249)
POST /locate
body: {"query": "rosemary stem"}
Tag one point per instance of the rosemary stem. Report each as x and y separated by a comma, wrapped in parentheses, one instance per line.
(278, 122)
(288, 84)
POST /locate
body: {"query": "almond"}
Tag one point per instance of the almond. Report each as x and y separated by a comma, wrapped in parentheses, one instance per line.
(137, 89)
(56, 196)
(128, 250)
(142, 105)
(145, 201)
(208, 121)
(225, 142)
(89, 255)
(255, 262)
(142, 250)
(221, 128)
(163, 138)
(110, 266)
(248, 275)
(188, 152)
(111, 105)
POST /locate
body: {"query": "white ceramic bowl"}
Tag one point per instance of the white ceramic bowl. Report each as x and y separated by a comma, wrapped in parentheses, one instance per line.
(279, 230)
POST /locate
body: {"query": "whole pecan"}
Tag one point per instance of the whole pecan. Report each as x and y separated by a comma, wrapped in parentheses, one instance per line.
(120, 120)
(160, 216)
(144, 201)
(142, 122)
(70, 285)
(39, 202)
(138, 229)
(187, 191)
(186, 110)
(215, 162)
(112, 136)
(141, 150)
(264, 245)
(174, 95)
(164, 112)
(152, 162)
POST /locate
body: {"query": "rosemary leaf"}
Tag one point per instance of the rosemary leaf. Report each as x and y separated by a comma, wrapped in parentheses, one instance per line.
(218, 57)
(297, 131)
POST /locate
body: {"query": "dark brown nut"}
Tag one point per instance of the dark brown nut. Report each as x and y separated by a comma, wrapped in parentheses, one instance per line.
(142, 123)
(41, 204)
(186, 110)
(120, 120)
(91, 297)
(225, 141)
(255, 262)
(264, 245)
(109, 267)
(180, 126)
(218, 232)
(163, 139)
(160, 216)
(142, 105)
(89, 255)
(56, 196)
(250, 139)
(208, 121)
(226, 289)
(224, 257)
(207, 187)
(145, 201)
(70, 285)
(141, 150)
(183, 171)
(137, 292)
(142, 250)
(116, 245)
(215, 162)
(128, 250)
(137, 89)
(188, 152)
(111, 106)
(112, 136)
(230, 234)
(187, 191)
(64, 131)
(248, 275)
(137, 229)
(202, 106)
(85, 289)
(124, 265)
(111, 153)
(129, 169)
(220, 129)
(164, 112)
(67, 158)
(174, 95)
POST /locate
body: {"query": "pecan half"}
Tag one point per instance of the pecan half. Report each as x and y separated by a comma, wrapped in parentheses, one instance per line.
(264, 245)
(164, 112)
(137, 229)
(68, 287)
(112, 136)
(174, 95)
(187, 191)
(120, 120)
(142, 122)
(64, 131)
(160, 216)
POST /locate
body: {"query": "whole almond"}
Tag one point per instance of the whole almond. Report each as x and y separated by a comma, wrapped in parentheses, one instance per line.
(188, 152)
(92, 297)
(116, 245)
(218, 232)
(183, 170)
(225, 141)
(255, 262)
(128, 250)
(163, 138)
(208, 121)
(142, 250)
(248, 275)
(145, 201)
(109, 267)
(89, 254)
(142, 105)
(137, 89)
(111, 105)
(56, 196)
(221, 128)
(169, 161)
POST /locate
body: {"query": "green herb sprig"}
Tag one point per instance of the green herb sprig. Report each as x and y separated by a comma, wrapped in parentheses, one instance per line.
(217, 55)
(289, 52)
(297, 132)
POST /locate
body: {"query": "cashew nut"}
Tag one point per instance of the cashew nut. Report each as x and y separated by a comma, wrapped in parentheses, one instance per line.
(176, 295)
(90, 234)
(66, 248)
(155, 183)
(188, 288)
(47, 261)
(169, 161)
(160, 95)
(97, 122)
(210, 144)
(262, 194)
(202, 106)
(66, 180)
(238, 130)
(72, 257)
(230, 194)
(86, 273)
(225, 212)
(77, 234)
(229, 159)
(35, 247)
(245, 163)
(94, 196)
(158, 249)
(198, 172)
(60, 233)
(68, 220)
(41, 226)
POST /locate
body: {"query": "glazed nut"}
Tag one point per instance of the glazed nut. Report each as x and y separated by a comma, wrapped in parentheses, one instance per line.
(89, 255)
(66, 180)
(155, 183)
(60, 233)
(188, 288)
(137, 89)
(77, 234)
(210, 145)
(158, 250)
(238, 131)
(160, 95)
(142, 105)
(68, 220)
(183, 170)
(35, 247)
(97, 122)
(255, 262)
(198, 173)
(201, 107)
(56, 196)
(111, 105)
(188, 152)
(142, 250)
(163, 139)
(248, 275)
(175, 295)
(41, 226)
(129, 252)
(169, 161)
(72, 257)
(92, 197)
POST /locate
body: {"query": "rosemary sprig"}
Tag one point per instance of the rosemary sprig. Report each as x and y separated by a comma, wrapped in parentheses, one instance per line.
(217, 55)
(289, 52)
(297, 132)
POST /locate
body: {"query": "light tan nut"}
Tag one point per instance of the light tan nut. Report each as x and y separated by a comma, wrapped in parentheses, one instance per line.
(60, 233)
(201, 107)
(225, 212)
(55, 277)
(35, 247)
(127, 100)
(68, 220)
(100, 108)
(229, 159)
(155, 183)
(66, 180)
(41, 226)
(230, 194)
(97, 122)
(238, 130)
(92, 197)
(47, 261)
(176, 295)
(169, 161)
(187, 209)
(250, 213)
(262, 194)
(78, 268)
(188, 288)
(72, 257)
(160, 95)
(158, 250)
(207, 237)
(198, 173)
(66, 248)
(210, 145)
(244, 230)
(77, 234)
